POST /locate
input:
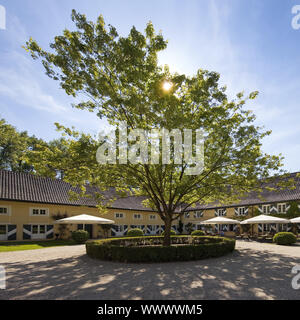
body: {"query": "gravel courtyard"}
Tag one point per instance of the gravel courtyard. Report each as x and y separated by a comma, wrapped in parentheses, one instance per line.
(253, 271)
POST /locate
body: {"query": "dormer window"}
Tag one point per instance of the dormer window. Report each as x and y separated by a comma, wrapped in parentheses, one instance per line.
(241, 211)
(221, 212)
(281, 208)
(266, 208)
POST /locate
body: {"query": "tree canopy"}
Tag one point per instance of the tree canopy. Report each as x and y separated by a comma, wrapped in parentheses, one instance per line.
(13, 146)
(119, 78)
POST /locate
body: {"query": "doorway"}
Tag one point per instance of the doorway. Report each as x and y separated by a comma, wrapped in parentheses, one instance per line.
(86, 227)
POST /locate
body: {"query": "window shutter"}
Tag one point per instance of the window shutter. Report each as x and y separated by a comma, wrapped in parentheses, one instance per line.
(26, 231)
(12, 232)
(49, 231)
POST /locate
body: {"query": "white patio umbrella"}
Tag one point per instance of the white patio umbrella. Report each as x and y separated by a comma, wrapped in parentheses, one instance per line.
(264, 219)
(295, 220)
(220, 220)
(84, 219)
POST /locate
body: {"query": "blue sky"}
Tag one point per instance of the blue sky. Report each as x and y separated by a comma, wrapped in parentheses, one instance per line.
(250, 43)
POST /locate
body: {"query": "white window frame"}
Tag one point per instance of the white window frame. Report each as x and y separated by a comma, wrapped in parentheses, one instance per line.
(8, 210)
(280, 205)
(38, 215)
(137, 214)
(152, 227)
(152, 217)
(223, 212)
(38, 235)
(266, 206)
(122, 213)
(3, 237)
(120, 228)
(196, 214)
(243, 209)
(186, 215)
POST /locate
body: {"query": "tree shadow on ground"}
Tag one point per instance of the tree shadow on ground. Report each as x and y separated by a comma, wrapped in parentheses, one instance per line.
(243, 274)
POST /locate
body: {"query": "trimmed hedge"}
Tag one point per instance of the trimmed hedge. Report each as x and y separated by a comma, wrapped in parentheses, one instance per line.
(284, 238)
(80, 236)
(198, 233)
(172, 233)
(149, 249)
(136, 232)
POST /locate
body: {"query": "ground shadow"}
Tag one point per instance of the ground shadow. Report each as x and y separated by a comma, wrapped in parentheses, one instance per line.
(243, 274)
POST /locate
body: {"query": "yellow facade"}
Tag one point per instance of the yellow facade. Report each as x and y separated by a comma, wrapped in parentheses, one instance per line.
(20, 214)
(22, 224)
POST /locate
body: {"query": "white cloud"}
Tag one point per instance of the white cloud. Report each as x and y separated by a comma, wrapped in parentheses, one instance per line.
(23, 88)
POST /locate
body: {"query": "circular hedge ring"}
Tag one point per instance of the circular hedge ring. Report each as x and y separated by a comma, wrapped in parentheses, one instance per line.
(150, 249)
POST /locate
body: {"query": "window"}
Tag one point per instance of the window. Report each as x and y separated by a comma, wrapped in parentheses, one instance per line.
(152, 228)
(119, 215)
(266, 208)
(39, 212)
(38, 229)
(2, 229)
(266, 227)
(241, 211)
(187, 215)
(281, 208)
(221, 212)
(137, 216)
(35, 229)
(119, 228)
(42, 229)
(152, 217)
(198, 214)
(3, 210)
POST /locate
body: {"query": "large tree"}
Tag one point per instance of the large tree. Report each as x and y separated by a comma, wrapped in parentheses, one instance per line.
(119, 78)
(14, 145)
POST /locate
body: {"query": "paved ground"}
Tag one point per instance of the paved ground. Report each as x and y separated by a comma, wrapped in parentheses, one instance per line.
(253, 271)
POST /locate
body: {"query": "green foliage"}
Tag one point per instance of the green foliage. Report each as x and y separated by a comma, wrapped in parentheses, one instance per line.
(198, 233)
(122, 80)
(136, 232)
(117, 250)
(293, 211)
(172, 232)
(14, 146)
(284, 238)
(80, 236)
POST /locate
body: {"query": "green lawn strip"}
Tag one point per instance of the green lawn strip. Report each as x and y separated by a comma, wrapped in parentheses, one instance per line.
(22, 245)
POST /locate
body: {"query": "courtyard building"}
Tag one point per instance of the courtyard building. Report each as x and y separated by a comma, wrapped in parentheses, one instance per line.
(29, 205)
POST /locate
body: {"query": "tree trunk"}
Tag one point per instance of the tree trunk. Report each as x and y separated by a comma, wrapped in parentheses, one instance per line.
(167, 236)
